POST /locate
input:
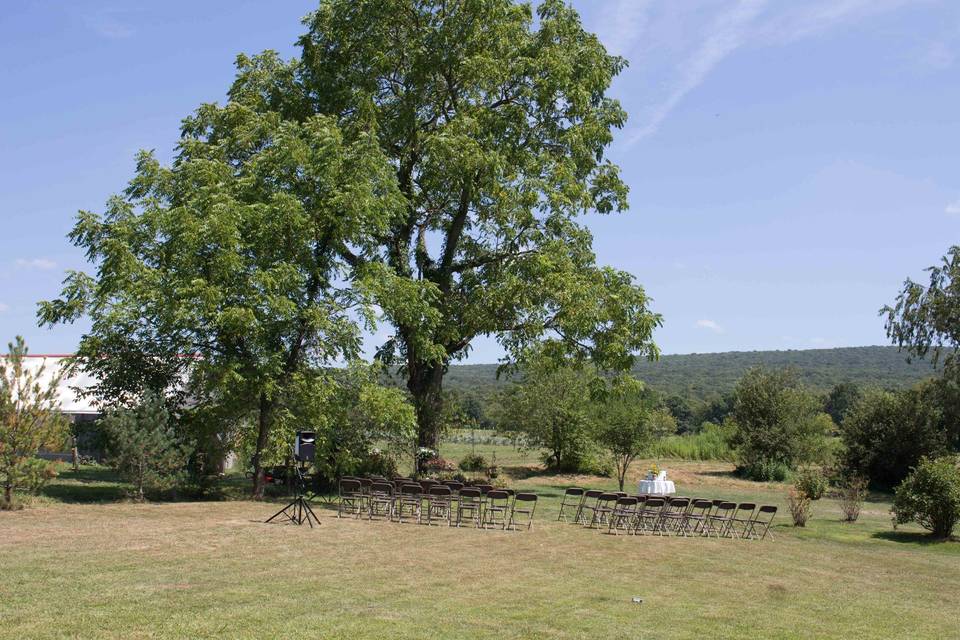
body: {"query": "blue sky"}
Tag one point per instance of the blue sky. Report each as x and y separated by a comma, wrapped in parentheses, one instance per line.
(789, 163)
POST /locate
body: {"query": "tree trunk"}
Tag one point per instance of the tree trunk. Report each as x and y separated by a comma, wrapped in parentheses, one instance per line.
(425, 382)
(262, 435)
(8, 495)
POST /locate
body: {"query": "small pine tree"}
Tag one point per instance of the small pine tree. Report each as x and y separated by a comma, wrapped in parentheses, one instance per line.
(29, 419)
(144, 447)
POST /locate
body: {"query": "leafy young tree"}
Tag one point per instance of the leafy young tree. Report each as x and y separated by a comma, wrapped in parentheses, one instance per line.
(144, 446)
(627, 425)
(221, 276)
(551, 408)
(778, 423)
(495, 125)
(29, 417)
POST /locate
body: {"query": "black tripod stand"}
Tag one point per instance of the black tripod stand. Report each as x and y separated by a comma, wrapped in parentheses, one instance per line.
(299, 510)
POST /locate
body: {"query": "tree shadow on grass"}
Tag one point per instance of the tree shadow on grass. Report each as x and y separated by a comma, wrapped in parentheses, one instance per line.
(912, 537)
(86, 484)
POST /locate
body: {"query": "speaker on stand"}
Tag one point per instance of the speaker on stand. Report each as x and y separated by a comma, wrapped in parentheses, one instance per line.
(298, 510)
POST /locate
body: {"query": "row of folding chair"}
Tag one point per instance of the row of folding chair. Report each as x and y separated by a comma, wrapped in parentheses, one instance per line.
(659, 515)
(433, 503)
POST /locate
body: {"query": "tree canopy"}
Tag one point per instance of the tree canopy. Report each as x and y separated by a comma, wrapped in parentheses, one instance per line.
(221, 277)
(495, 126)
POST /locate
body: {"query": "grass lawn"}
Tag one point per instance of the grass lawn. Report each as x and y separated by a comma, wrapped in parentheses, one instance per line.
(213, 570)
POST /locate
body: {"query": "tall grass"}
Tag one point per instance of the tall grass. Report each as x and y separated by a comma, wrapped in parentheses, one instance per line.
(709, 444)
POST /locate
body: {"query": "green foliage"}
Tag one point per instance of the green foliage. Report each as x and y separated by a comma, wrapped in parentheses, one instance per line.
(221, 277)
(29, 419)
(705, 381)
(144, 446)
(924, 319)
(626, 425)
(496, 125)
(778, 425)
(842, 398)
(712, 442)
(473, 462)
(550, 408)
(930, 496)
(352, 415)
(812, 482)
(886, 434)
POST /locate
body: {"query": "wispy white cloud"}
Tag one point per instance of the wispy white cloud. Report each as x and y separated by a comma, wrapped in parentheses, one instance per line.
(626, 24)
(726, 35)
(748, 23)
(953, 208)
(42, 264)
(4, 307)
(109, 26)
(709, 324)
(818, 341)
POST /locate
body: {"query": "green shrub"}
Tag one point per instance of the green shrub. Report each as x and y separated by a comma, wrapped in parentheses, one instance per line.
(764, 471)
(812, 482)
(377, 463)
(473, 462)
(930, 496)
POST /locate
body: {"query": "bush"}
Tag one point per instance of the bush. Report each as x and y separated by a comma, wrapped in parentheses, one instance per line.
(377, 463)
(853, 491)
(930, 496)
(764, 471)
(800, 506)
(886, 434)
(473, 462)
(812, 482)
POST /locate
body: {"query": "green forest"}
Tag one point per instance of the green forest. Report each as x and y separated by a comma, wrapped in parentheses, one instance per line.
(700, 376)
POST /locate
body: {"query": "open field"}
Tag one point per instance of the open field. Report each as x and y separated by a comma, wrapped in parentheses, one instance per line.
(213, 570)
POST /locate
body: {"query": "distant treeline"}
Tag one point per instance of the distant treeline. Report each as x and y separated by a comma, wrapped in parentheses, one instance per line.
(698, 377)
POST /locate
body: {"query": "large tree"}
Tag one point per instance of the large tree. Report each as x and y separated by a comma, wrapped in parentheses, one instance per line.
(220, 277)
(495, 124)
(494, 127)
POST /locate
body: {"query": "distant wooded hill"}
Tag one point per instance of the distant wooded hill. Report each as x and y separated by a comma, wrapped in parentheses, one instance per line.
(697, 376)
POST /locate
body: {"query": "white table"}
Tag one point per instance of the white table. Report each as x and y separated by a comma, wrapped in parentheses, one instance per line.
(656, 487)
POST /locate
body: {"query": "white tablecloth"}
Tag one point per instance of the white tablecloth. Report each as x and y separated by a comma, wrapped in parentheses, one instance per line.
(656, 487)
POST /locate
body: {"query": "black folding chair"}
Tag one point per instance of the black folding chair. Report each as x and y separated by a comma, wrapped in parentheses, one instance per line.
(352, 499)
(524, 505)
(571, 500)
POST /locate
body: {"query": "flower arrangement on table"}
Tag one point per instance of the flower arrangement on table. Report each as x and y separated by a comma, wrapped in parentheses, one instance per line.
(653, 472)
